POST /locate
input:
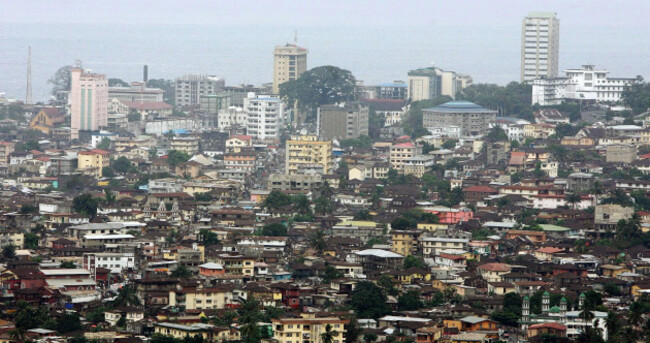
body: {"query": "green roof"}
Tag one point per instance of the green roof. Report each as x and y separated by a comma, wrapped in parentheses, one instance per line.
(546, 294)
(555, 309)
(554, 228)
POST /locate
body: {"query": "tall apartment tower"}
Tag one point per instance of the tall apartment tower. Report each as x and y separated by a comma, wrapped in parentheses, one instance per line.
(289, 61)
(540, 46)
(88, 101)
(343, 121)
(190, 88)
(265, 116)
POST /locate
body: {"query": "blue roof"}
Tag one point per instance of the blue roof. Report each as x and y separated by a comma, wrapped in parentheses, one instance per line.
(459, 106)
(392, 84)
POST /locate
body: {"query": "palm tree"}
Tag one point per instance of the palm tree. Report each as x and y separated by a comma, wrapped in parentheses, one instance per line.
(611, 322)
(328, 335)
(586, 316)
(127, 296)
(573, 199)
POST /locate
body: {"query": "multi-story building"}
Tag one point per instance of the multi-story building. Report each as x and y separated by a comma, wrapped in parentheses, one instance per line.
(244, 160)
(472, 119)
(401, 153)
(289, 61)
(404, 242)
(239, 93)
(189, 144)
(231, 116)
(93, 161)
(397, 90)
(585, 84)
(428, 83)
(308, 153)
(540, 46)
(88, 101)
(138, 92)
(343, 121)
(621, 153)
(190, 88)
(308, 328)
(213, 103)
(193, 298)
(264, 116)
(6, 148)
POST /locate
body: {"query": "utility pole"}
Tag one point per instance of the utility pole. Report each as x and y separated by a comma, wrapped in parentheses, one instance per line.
(28, 96)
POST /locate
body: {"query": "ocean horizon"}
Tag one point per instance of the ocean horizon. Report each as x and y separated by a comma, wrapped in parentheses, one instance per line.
(244, 54)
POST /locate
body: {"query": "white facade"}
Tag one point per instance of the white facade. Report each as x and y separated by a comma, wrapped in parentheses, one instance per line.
(189, 88)
(540, 43)
(116, 262)
(265, 116)
(586, 83)
(231, 116)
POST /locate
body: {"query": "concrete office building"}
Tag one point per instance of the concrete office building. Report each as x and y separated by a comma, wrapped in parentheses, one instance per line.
(190, 88)
(343, 121)
(213, 103)
(289, 61)
(305, 154)
(265, 116)
(428, 83)
(138, 92)
(586, 84)
(540, 46)
(472, 119)
(88, 101)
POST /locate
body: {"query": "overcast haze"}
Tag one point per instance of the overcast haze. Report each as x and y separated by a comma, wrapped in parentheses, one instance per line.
(378, 41)
(337, 12)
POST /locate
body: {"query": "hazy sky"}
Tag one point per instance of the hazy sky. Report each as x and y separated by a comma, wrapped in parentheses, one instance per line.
(612, 13)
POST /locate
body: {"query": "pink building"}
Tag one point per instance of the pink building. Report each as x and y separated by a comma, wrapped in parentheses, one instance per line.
(88, 101)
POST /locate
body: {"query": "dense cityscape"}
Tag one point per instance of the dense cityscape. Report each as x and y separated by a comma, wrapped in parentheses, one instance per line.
(316, 208)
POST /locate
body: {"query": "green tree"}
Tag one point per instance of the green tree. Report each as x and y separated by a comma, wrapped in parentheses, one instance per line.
(368, 301)
(317, 241)
(331, 273)
(176, 157)
(409, 301)
(329, 334)
(276, 200)
(134, 116)
(126, 297)
(317, 87)
(68, 322)
(323, 206)
(85, 204)
(181, 272)
(249, 315)
(28, 209)
(497, 134)
(31, 240)
(61, 80)
(413, 262)
(208, 237)
(122, 165)
(449, 144)
(9, 251)
(67, 265)
(573, 199)
(115, 82)
(637, 96)
(108, 171)
(301, 204)
(512, 100)
(386, 283)
(96, 316)
(105, 144)
(275, 229)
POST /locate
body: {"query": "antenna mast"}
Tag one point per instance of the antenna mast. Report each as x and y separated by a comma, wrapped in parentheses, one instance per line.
(28, 96)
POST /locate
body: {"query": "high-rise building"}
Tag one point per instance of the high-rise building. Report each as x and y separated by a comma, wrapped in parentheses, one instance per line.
(88, 101)
(308, 155)
(190, 88)
(289, 61)
(540, 46)
(429, 83)
(265, 116)
(343, 121)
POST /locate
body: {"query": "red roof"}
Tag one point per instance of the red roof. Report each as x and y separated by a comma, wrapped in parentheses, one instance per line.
(555, 326)
(549, 250)
(94, 152)
(480, 189)
(404, 145)
(517, 158)
(452, 257)
(495, 267)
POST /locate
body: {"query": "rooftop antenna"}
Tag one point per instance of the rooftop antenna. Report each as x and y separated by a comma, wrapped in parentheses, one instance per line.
(77, 64)
(295, 36)
(28, 96)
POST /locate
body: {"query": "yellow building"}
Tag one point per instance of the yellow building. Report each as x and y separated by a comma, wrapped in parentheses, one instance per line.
(189, 145)
(432, 227)
(289, 62)
(175, 330)
(214, 298)
(46, 119)
(308, 328)
(307, 152)
(93, 161)
(237, 265)
(6, 148)
(405, 242)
